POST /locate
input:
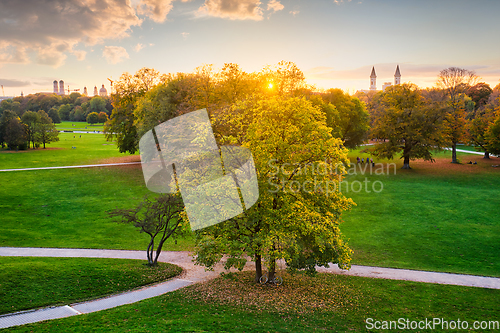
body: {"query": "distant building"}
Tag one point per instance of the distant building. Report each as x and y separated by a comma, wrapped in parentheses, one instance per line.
(61, 87)
(397, 77)
(373, 81)
(84, 91)
(95, 91)
(56, 87)
(103, 92)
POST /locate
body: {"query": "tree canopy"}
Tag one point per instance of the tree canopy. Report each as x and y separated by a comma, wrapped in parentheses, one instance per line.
(406, 124)
(299, 210)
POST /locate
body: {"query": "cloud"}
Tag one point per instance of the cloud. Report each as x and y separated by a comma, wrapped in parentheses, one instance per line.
(14, 83)
(13, 54)
(114, 54)
(185, 34)
(138, 47)
(156, 10)
(232, 9)
(294, 12)
(50, 29)
(338, 2)
(274, 5)
(79, 54)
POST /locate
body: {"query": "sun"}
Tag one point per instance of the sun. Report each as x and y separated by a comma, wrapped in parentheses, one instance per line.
(270, 85)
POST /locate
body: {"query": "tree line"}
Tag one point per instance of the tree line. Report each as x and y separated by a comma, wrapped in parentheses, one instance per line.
(33, 128)
(25, 120)
(73, 107)
(414, 123)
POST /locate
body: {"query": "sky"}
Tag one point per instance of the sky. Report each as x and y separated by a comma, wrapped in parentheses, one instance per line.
(334, 42)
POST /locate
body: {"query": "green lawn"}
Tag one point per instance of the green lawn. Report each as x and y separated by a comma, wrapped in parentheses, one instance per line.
(31, 282)
(470, 148)
(79, 126)
(327, 303)
(437, 216)
(88, 149)
(68, 208)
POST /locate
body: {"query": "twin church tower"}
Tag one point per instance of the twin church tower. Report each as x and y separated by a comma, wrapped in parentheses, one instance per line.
(373, 80)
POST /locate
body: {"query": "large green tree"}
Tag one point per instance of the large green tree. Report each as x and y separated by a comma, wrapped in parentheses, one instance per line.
(353, 119)
(15, 134)
(299, 209)
(128, 90)
(54, 115)
(7, 115)
(31, 120)
(406, 124)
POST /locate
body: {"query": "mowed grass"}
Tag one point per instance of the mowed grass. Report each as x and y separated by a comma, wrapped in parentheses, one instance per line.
(88, 149)
(31, 282)
(326, 303)
(436, 216)
(67, 208)
(78, 126)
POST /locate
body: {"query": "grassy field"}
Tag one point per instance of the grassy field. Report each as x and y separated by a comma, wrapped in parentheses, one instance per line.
(88, 149)
(68, 208)
(78, 126)
(327, 303)
(61, 281)
(437, 216)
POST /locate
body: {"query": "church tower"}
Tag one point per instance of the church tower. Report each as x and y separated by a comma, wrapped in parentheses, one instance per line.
(397, 77)
(61, 87)
(373, 80)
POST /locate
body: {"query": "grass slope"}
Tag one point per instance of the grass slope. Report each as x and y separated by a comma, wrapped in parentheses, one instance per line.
(327, 303)
(89, 149)
(437, 216)
(60, 281)
(78, 126)
(68, 208)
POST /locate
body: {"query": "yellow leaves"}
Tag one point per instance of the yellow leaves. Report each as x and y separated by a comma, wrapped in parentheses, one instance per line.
(298, 294)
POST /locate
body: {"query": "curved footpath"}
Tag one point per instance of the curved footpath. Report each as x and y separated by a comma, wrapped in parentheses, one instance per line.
(193, 274)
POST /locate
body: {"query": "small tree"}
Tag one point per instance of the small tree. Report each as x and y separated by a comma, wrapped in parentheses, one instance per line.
(46, 131)
(161, 216)
(102, 117)
(93, 118)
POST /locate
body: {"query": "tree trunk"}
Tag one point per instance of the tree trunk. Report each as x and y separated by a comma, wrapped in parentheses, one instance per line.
(486, 155)
(258, 268)
(454, 153)
(406, 155)
(406, 162)
(272, 271)
(150, 251)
